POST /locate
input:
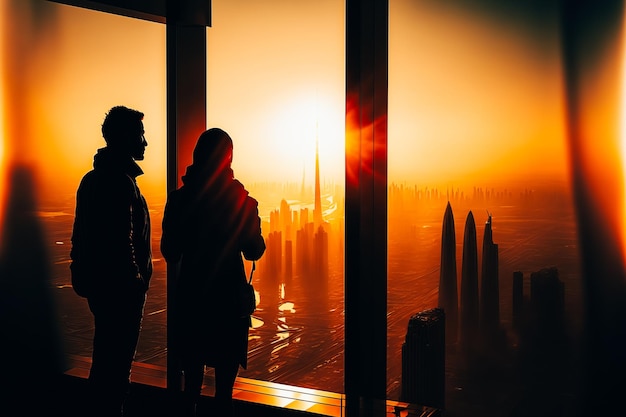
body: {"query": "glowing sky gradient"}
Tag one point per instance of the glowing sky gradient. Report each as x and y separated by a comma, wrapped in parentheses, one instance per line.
(276, 82)
(474, 94)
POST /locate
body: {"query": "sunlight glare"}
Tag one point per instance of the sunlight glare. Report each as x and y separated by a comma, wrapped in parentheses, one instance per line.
(2, 123)
(299, 122)
(623, 137)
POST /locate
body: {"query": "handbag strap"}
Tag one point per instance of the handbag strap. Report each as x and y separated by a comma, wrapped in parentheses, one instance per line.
(252, 271)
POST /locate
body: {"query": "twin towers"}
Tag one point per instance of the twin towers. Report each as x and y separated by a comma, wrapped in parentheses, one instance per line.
(475, 319)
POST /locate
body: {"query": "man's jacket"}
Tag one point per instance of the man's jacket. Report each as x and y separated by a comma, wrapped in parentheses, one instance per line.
(111, 248)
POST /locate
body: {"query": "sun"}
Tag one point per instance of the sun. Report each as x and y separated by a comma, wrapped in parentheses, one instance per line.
(299, 124)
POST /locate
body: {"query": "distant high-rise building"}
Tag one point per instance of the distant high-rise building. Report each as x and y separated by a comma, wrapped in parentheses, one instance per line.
(305, 248)
(320, 254)
(547, 298)
(301, 250)
(274, 221)
(304, 217)
(285, 219)
(489, 287)
(288, 259)
(518, 299)
(317, 210)
(274, 253)
(469, 286)
(296, 221)
(423, 359)
(448, 292)
(544, 343)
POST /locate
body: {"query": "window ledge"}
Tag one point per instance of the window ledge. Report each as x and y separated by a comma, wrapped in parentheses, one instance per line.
(272, 394)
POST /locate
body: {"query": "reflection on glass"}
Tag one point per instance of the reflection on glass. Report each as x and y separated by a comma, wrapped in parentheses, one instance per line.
(479, 186)
(67, 68)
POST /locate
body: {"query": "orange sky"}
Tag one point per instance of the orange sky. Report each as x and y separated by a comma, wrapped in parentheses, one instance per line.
(275, 82)
(76, 66)
(472, 97)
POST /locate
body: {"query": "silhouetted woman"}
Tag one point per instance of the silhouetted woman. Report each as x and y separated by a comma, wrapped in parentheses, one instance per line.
(208, 224)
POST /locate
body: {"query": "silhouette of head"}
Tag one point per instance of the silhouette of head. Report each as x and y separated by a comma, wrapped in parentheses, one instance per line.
(213, 151)
(123, 132)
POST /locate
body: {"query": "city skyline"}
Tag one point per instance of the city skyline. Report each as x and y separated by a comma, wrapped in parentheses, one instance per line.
(300, 312)
(491, 141)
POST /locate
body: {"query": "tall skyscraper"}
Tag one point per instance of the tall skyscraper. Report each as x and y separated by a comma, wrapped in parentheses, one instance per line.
(424, 359)
(547, 297)
(317, 210)
(320, 254)
(288, 259)
(489, 288)
(518, 299)
(285, 219)
(448, 293)
(469, 286)
(544, 342)
(274, 253)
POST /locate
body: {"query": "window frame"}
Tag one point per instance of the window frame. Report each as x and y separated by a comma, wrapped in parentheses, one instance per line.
(366, 167)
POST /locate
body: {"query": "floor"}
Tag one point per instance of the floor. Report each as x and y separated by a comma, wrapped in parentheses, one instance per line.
(66, 396)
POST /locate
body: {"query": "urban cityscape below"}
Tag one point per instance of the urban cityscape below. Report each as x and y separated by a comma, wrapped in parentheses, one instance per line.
(297, 334)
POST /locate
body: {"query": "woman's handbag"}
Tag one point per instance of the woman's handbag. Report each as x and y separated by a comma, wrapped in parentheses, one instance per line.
(247, 297)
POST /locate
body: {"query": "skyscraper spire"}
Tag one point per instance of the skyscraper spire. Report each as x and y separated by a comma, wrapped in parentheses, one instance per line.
(489, 288)
(317, 210)
(448, 293)
(469, 286)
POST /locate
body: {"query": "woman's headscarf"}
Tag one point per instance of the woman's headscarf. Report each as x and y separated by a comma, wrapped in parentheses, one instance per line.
(212, 158)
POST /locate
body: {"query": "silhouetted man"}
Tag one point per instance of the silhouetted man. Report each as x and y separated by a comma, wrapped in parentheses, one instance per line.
(111, 255)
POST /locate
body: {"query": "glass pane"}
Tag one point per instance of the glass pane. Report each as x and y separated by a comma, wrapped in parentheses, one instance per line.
(476, 117)
(64, 68)
(276, 85)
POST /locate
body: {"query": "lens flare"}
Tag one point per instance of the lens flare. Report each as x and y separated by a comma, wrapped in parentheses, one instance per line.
(2, 123)
(623, 136)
